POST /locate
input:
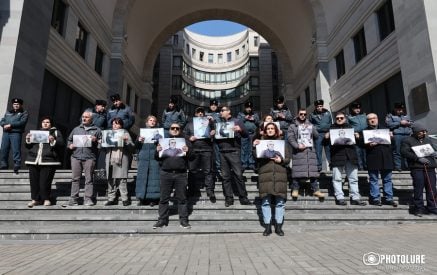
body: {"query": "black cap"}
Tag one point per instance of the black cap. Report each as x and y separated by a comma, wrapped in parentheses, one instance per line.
(355, 105)
(417, 127)
(100, 102)
(115, 97)
(248, 104)
(318, 102)
(17, 100)
(199, 110)
(279, 99)
(173, 100)
(213, 102)
(399, 105)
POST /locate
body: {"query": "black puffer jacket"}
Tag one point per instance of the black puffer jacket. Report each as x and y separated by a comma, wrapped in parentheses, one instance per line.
(45, 153)
(340, 154)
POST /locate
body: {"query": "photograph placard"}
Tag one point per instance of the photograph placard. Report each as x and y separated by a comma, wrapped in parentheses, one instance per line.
(152, 135)
(424, 150)
(224, 130)
(37, 136)
(270, 149)
(172, 147)
(82, 140)
(112, 138)
(342, 136)
(201, 127)
(305, 135)
(379, 136)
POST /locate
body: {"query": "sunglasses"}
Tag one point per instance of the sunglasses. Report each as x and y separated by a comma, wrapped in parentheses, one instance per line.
(175, 128)
(339, 118)
(302, 114)
(224, 110)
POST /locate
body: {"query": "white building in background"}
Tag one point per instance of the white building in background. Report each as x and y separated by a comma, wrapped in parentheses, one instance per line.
(61, 55)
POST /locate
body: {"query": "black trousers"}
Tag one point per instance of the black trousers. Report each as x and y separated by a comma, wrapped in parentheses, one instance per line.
(200, 170)
(232, 173)
(420, 181)
(178, 182)
(41, 177)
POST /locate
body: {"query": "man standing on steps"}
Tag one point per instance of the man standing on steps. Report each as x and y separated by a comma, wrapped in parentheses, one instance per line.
(379, 160)
(250, 118)
(83, 159)
(231, 161)
(13, 124)
(214, 115)
(120, 110)
(322, 120)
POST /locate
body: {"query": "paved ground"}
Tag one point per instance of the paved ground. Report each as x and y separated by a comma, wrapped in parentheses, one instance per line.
(334, 250)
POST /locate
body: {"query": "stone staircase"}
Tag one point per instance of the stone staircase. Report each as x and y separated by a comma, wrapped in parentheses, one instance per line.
(17, 221)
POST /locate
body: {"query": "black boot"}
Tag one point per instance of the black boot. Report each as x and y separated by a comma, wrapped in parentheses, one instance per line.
(278, 229)
(268, 229)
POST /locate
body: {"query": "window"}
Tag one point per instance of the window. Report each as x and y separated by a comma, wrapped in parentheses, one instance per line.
(220, 58)
(254, 63)
(58, 16)
(237, 52)
(193, 52)
(307, 96)
(177, 62)
(256, 41)
(360, 45)
(254, 83)
(187, 49)
(201, 56)
(136, 103)
(81, 38)
(229, 56)
(386, 22)
(243, 48)
(339, 62)
(98, 64)
(210, 58)
(177, 82)
(175, 40)
(128, 93)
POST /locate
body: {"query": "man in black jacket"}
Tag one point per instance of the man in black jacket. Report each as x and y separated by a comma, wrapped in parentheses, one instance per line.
(422, 170)
(344, 157)
(173, 175)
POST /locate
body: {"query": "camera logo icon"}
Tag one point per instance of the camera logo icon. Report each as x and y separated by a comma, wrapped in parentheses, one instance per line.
(371, 258)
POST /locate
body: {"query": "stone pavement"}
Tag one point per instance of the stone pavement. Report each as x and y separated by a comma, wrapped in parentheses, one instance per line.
(329, 250)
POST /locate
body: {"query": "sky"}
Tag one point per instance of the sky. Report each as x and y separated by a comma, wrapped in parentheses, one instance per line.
(216, 28)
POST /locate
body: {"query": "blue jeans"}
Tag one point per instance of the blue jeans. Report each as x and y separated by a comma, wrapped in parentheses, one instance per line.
(10, 140)
(319, 150)
(246, 153)
(399, 161)
(420, 181)
(352, 176)
(387, 184)
(267, 210)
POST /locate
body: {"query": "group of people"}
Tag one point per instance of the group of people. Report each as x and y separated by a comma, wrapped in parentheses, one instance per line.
(211, 155)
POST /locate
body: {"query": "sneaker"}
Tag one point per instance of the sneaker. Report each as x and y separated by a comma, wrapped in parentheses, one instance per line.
(245, 201)
(340, 202)
(126, 203)
(88, 202)
(33, 203)
(110, 202)
(160, 224)
(318, 194)
(73, 202)
(295, 194)
(185, 224)
(47, 203)
(391, 202)
(358, 202)
(375, 202)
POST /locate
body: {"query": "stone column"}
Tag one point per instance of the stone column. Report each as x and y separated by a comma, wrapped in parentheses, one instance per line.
(265, 79)
(322, 83)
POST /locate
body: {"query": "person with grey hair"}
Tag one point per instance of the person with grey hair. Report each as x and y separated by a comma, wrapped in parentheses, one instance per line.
(83, 159)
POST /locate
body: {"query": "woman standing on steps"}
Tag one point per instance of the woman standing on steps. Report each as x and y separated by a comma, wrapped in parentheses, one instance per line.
(272, 177)
(147, 187)
(42, 160)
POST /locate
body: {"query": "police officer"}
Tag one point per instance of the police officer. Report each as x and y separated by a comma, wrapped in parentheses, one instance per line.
(214, 113)
(120, 110)
(250, 120)
(172, 114)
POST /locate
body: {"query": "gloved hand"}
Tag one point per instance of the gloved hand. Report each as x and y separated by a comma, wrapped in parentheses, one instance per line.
(424, 161)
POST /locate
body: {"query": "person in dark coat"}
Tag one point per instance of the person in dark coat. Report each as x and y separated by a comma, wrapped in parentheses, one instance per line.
(147, 188)
(173, 114)
(422, 170)
(250, 119)
(357, 119)
(344, 157)
(13, 124)
(379, 161)
(214, 114)
(273, 182)
(120, 110)
(42, 161)
(322, 120)
(281, 113)
(301, 136)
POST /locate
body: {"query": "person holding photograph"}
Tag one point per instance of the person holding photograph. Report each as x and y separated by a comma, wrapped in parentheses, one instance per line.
(147, 186)
(117, 165)
(42, 161)
(304, 158)
(173, 176)
(83, 159)
(200, 166)
(379, 161)
(422, 171)
(344, 157)
(272, 180)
